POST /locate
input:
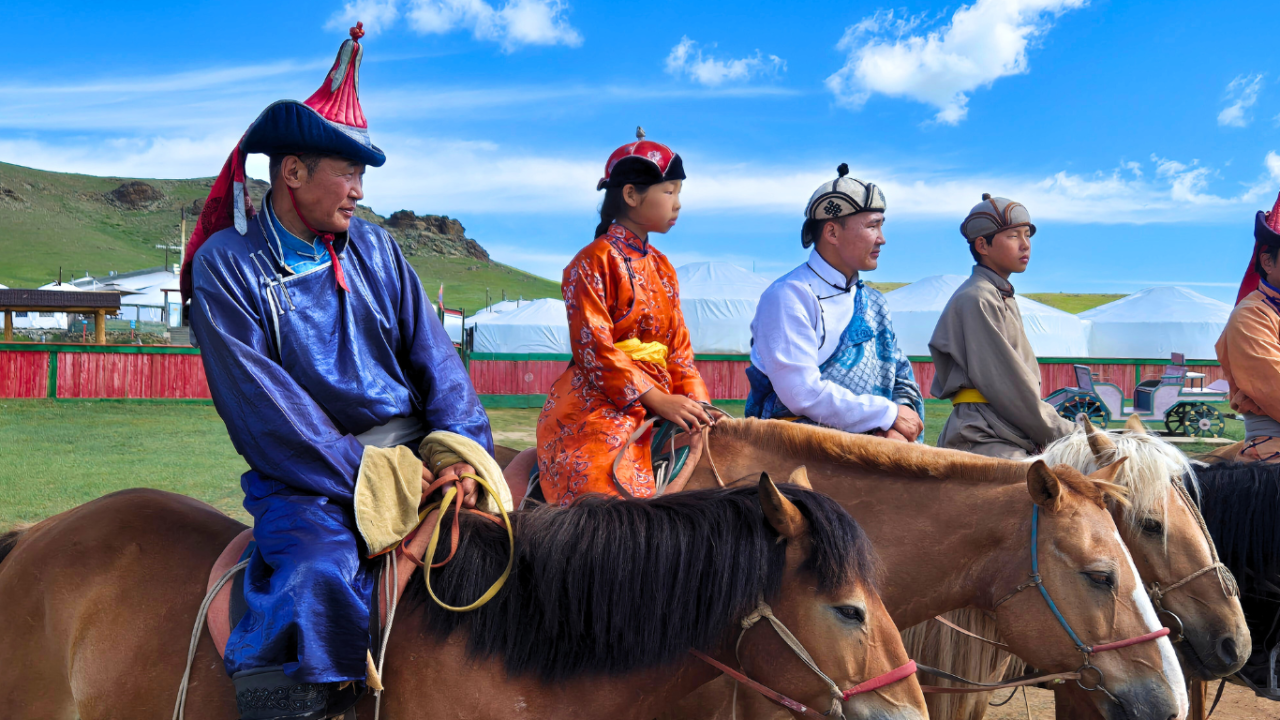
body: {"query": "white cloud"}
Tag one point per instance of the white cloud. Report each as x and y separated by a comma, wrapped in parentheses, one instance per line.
(1243, 94)
(687, 58)
(377, 15)
(517, 23)
(455, 177)
(983, 42)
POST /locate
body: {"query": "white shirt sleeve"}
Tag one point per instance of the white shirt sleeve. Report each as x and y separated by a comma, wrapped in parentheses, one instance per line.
(786, 333)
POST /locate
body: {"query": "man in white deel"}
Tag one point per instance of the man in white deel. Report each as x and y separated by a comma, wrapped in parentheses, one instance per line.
(822, 348)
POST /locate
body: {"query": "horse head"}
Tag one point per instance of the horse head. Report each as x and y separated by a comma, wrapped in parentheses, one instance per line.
(838, 618)
(1083, 594)
(1162, 527)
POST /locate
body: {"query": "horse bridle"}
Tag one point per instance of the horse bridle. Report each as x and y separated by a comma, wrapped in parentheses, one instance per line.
(1225, 579)
(1087, 650)
(838, 696)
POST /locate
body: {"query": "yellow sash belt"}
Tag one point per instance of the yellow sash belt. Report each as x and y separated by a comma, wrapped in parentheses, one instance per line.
(968, 395)
(651, 352)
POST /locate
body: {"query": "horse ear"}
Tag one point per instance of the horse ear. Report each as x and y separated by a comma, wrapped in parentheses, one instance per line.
(1134, 425)
(1099, 442)
(800, 476)
(781, 513)
(1044, 487)
(1108, 473)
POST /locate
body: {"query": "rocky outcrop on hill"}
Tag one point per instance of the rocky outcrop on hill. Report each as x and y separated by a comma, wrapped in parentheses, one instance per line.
(427, 234)
(135, 195)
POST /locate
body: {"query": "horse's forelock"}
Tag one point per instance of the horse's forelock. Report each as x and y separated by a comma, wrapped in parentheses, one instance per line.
(1151, 465)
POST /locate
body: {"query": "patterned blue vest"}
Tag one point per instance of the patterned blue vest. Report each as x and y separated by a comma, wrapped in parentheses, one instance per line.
(866, 362)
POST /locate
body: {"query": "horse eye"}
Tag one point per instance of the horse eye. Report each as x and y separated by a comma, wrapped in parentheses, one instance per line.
(1152, 526)
(852, 613)
(1101, 579)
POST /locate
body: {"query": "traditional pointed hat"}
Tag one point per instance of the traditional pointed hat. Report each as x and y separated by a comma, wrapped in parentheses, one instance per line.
(1266, 233)
(330, 122)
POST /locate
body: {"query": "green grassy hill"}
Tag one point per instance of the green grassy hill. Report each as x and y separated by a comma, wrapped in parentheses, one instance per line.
(1074, 302)
(83, 223)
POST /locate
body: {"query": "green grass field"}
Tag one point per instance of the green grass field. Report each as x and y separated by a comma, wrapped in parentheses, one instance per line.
(56, 455)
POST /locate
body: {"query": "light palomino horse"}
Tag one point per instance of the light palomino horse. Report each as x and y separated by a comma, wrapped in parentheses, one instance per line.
(1172, 551)
(953, 531)
(96, 605)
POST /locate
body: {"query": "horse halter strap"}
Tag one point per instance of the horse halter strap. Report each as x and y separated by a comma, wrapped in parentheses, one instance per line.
(763, 611)
(1226, 580)
(1087, 650)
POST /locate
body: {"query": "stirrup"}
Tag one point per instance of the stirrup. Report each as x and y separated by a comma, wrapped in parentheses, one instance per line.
(268, 694)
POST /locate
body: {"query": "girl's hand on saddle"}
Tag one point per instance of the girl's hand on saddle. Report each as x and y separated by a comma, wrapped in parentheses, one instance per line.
(467, 486)
(683, 411)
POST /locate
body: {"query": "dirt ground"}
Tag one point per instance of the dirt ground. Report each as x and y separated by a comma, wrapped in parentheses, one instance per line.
(1238, 703)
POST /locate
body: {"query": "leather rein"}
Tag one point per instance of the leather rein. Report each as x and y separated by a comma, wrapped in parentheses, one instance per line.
(838, 696)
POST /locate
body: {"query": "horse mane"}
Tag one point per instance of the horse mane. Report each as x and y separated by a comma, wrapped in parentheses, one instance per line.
(906, 461)
(1151, 465)
(810, 443)
(611, 585)
(1240, 503)
(9, 540)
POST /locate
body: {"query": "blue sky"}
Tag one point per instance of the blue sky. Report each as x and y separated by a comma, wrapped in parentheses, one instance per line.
(1142, 136)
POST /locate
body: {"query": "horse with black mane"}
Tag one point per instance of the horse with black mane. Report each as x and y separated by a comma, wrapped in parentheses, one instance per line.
(1241, 507)
(603, 605)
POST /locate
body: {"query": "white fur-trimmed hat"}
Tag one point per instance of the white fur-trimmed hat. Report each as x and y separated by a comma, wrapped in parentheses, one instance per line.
(844, 196)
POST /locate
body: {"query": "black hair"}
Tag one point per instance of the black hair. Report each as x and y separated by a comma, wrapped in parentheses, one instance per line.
(811, 231)
(310, 160)
(614, 206)
(609, 586)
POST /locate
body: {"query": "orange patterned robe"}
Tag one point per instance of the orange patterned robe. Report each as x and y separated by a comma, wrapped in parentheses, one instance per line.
(615, 289)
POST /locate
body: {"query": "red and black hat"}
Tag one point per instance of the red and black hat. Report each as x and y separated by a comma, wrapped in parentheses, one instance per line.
(330, 122)
(1266, 234)
(642, 162)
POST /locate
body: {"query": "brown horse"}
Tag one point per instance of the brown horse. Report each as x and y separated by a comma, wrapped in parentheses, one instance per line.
(1162, 529)
(96, 605)
(953, 531)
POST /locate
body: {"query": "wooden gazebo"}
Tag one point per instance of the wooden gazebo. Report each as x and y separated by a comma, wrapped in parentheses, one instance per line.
(98, 304)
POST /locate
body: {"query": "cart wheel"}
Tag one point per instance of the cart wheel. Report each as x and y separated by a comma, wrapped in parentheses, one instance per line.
(1197, 420)
(1081, 406)
(1175, 421)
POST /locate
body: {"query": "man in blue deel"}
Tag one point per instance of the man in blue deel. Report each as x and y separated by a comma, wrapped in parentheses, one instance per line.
(320, 349)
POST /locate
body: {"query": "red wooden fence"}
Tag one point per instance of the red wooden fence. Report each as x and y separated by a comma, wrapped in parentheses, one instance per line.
(151, 372)
(24, 374)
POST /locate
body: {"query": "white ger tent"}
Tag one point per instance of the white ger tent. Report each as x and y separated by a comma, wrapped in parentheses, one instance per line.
(916, 308)
(719, 302)
(494, 310)
(537, 326)
(1157, 321)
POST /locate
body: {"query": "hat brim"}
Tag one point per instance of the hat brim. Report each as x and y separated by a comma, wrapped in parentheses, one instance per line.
(289, 126)
(642, 171)
(1264, 234)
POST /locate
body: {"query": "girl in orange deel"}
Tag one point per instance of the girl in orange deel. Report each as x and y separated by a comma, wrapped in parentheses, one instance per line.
(631, 351)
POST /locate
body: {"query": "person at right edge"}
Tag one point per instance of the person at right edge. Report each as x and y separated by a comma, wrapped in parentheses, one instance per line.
(982, 359)
(1249, 348)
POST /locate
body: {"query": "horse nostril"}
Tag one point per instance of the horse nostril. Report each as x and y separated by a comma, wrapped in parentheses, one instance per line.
(1227, 651)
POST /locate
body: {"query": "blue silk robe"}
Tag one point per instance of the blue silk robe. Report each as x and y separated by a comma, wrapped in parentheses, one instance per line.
(298, 368)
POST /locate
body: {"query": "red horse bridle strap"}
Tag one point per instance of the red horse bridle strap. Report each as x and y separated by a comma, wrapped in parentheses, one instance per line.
(875, 683)
(773, 695)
